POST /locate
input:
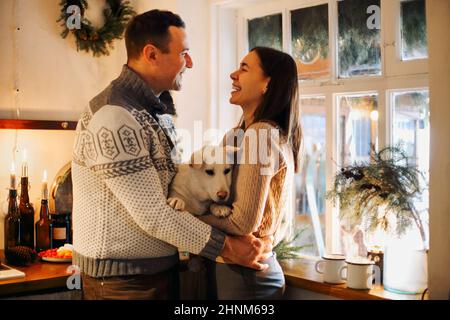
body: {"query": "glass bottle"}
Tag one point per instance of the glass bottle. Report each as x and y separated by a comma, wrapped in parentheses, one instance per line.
(43, 224)
(26, 213)
(60, 230)
(12, 227)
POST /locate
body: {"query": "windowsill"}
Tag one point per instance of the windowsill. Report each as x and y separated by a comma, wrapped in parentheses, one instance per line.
(300, 273)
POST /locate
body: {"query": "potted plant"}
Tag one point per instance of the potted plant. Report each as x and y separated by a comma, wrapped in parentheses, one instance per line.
(380, 194)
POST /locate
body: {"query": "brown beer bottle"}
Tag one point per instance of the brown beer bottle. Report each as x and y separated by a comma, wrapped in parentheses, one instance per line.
(12, 222)
(26, 212)
(43, 224)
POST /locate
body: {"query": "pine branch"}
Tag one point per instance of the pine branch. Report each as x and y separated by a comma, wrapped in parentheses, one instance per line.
(389, 181)
(286, 250)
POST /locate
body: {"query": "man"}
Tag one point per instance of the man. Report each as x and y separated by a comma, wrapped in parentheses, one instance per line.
(125, 235)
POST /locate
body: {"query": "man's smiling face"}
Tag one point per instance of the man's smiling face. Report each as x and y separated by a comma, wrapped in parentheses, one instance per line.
(175, 62)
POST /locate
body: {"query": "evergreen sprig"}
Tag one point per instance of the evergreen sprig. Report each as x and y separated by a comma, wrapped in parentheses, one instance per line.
(388, 181)
(286, 249)
(117, 14)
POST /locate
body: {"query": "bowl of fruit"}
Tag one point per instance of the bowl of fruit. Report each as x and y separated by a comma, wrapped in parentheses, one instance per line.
(61, 254)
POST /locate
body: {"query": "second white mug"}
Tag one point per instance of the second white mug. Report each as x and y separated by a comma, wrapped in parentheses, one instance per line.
(360, 275)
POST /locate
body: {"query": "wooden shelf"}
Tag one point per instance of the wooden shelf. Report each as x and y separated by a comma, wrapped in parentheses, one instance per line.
(37, 124)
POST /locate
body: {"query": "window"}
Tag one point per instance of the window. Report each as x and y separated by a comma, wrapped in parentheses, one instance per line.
(359, 65)
(310, 182)
(358, 127)
(309, 42)
(265, 32)
(411, 129)
(413, 30)
(359, 41)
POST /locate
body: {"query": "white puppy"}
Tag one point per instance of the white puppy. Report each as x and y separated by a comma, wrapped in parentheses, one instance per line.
(204, 183)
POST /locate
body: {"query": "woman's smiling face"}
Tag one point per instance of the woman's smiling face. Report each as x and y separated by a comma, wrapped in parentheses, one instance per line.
(249, 83)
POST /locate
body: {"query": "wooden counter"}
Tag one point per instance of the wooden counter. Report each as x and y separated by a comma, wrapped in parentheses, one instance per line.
(39, 277)
(300, 273)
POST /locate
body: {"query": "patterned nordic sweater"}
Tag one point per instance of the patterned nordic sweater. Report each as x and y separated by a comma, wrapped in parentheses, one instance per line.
(121, 171)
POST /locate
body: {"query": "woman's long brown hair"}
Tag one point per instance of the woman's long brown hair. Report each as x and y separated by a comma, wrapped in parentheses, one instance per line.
(280, 102)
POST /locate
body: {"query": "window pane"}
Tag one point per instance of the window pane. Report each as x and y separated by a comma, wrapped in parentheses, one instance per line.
(310, 42)
(358, 127)
(359, 38)
(265, 32)
(411, 128)
(310, 182)
(414, 30)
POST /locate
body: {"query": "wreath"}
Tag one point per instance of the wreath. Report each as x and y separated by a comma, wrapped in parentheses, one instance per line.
(117, 15)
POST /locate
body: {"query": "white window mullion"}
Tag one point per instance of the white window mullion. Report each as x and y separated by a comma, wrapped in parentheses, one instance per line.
(331, 218)
(390, 35)
(286, 21)
(382, 119)
(242, 27)
(385, 35)
(333, 38)
(389, 112)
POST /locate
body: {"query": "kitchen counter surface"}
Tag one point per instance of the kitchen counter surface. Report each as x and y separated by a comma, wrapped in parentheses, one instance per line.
(46, 276)
(39, 277)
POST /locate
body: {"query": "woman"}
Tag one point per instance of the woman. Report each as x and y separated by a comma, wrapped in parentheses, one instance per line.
(266, 88)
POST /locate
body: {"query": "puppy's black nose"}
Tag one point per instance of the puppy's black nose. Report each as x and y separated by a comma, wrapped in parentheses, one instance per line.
(222, 194)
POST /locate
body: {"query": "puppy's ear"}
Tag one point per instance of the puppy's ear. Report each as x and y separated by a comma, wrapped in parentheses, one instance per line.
(196, 160)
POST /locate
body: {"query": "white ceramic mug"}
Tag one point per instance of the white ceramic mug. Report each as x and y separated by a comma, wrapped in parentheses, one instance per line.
(332, 265)
(360, 274)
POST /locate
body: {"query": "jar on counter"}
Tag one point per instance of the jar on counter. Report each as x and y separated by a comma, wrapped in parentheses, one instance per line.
(60, 230)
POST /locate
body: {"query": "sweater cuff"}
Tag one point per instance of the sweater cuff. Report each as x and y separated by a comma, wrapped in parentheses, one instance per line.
(214, 246)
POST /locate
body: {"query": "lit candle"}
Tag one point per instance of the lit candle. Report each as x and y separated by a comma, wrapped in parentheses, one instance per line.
(24, 164)
(44, 186)
(12, 184)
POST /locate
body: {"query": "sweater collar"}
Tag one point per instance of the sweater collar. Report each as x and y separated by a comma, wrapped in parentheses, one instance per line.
(136, 87)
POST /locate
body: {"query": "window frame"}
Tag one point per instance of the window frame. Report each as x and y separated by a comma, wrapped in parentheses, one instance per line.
(393, 42)
(391, 110)
(303, 5)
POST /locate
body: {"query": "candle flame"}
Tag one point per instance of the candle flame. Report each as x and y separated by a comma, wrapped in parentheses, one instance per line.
(44, 176)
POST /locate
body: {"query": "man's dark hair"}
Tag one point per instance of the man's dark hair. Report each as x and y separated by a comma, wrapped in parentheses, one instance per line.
(151, 27)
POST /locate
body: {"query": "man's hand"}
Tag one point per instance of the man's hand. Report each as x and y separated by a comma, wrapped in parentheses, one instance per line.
(247, 251)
